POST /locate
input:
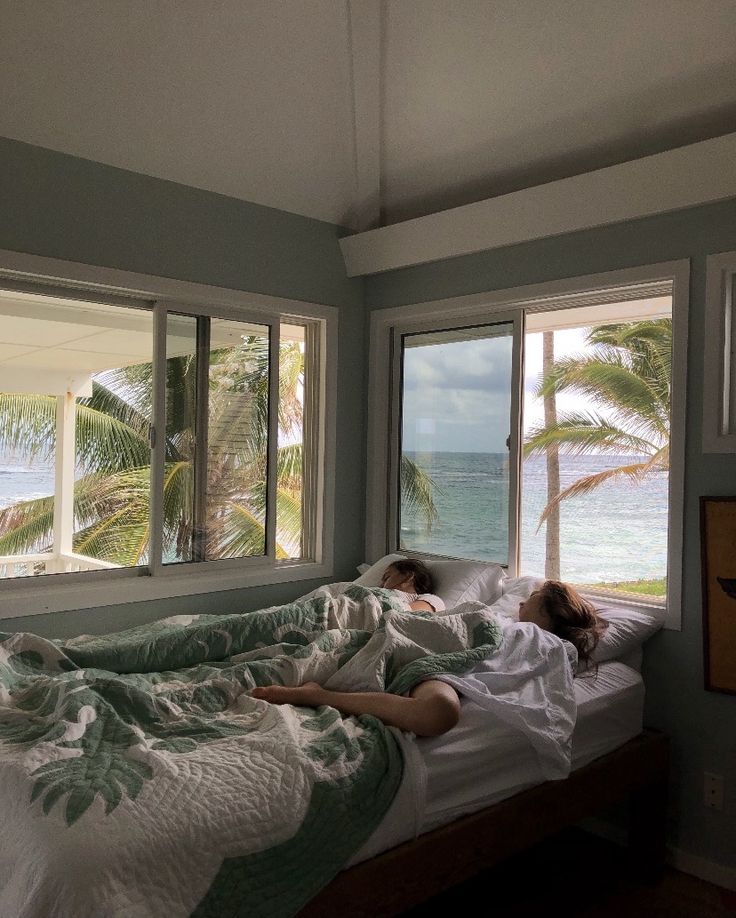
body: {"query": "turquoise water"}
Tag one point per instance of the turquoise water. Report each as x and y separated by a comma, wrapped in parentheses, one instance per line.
(617, 532)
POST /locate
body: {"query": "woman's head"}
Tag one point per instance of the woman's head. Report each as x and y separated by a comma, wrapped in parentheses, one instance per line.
(559, 608)
(408, 575)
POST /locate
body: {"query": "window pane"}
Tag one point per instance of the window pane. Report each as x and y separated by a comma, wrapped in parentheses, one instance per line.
(600, 441)
(289, 522)
(455, 425)
(75, 409)
(181, 416)
(237, 440)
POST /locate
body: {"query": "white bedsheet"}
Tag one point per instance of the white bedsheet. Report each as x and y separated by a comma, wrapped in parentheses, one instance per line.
(484, 760)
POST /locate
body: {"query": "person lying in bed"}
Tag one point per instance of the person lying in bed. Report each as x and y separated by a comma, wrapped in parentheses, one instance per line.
(415, 580)
(433, 707)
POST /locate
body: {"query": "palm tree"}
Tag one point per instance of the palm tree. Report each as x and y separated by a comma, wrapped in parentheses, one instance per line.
(111, 499)
(552, 455)
(627, 375)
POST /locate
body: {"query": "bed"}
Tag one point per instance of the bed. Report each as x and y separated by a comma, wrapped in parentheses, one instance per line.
(410, 874)
(163, 804)
(482, 801)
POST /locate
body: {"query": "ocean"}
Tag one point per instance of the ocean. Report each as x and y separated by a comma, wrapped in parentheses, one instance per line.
(617, 532)
(20, 480)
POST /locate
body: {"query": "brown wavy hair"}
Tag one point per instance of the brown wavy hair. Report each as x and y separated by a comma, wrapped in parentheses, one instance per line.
(423, 580)
(573, 618)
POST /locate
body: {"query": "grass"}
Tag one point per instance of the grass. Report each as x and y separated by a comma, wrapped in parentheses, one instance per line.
(642, 587)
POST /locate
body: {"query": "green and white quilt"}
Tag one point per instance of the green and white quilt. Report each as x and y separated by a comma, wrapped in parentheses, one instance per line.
(140, 779)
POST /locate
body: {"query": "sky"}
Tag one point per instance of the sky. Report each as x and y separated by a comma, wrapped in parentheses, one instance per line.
(457, 396)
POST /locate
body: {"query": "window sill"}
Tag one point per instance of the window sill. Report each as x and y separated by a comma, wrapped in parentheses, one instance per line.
(658, 608)
(66, 592)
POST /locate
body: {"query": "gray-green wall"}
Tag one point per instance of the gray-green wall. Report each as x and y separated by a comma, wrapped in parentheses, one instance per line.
(702, 724)
(63, 207)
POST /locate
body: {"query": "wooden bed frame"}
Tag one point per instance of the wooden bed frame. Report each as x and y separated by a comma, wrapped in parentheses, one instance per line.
(409, 874)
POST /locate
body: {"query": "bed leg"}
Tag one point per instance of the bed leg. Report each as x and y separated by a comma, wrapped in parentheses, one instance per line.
(647, 831)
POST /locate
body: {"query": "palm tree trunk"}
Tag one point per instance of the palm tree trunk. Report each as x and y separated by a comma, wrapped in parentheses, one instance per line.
(552, 532)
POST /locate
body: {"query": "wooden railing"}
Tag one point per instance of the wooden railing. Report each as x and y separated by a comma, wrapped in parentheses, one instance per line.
(32, 565)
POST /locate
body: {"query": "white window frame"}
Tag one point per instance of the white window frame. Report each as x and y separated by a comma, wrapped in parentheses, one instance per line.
(719, 377)
(91, 589)
(484, 307)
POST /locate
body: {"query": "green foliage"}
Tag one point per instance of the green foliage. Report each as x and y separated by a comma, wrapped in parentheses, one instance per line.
(111, 499)
(417, 491)
(627, 375)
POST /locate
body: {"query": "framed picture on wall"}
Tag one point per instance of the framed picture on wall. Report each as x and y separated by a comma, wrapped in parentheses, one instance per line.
(718, 554)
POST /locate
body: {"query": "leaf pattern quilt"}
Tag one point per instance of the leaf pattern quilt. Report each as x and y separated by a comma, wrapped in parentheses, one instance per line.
(140, 779)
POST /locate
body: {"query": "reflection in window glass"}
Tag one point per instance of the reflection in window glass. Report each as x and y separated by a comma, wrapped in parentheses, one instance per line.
(181, 415)
(455, 425)
(289, 529)
(220, 512)
(237, 441)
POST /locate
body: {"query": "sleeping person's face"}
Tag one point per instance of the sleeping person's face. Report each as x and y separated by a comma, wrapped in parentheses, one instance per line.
(395, 580)
(533, 611)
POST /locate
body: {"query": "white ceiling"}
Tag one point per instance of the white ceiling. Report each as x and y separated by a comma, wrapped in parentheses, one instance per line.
(57, 337)
(363, 112)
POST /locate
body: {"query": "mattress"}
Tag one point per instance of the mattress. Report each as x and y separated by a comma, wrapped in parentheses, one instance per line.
(482, 761)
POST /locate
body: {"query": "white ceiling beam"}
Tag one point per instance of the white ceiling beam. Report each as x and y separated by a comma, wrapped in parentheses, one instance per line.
(44, 382)
(364, 19)
(699, 173)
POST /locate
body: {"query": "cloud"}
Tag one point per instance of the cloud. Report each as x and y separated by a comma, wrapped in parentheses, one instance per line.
(457, 396)
(484, 365)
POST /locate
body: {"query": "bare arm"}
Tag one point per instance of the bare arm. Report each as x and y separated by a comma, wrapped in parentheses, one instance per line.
(420, 605)
(432, 708)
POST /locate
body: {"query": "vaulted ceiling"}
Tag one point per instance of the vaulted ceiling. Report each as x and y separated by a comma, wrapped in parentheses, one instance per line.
(366, 112)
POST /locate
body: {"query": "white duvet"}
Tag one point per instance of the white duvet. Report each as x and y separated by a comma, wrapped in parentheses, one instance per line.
(527, 684)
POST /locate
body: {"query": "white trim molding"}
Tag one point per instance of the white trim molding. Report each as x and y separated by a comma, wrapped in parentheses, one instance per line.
(24, 596)
(700, 173)
(722, 875)
(580, 292)
(692, 864)
(719, 359)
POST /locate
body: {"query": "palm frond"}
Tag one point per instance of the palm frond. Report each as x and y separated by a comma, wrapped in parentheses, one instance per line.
(132, 387)
(122, 405)
(121, 538)
(28, 424)
(636, 472)
(417, 491)
(288, 518)
(610, 383)
(242, 534)
(113, 516)
(105, 444)
(585, 433)
(288, 525)
(289, 467)
(27, 526)
(178, 492)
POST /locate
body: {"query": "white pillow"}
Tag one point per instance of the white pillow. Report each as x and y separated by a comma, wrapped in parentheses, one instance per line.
(627, 629)
(515, 591)
(454, 581)
(372, 576)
